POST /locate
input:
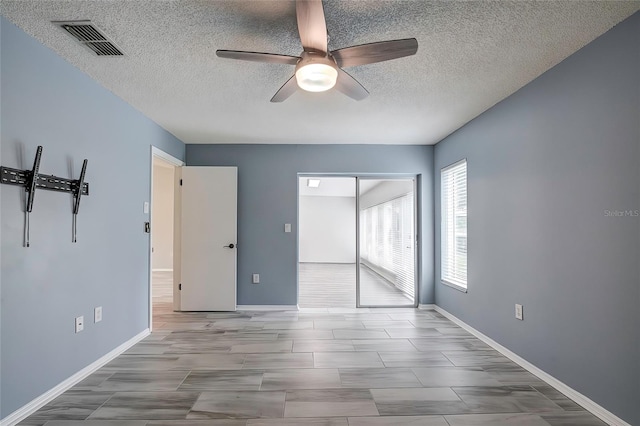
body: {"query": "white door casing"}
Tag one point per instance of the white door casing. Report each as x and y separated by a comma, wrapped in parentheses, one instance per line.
(158, 153)
(208, 238)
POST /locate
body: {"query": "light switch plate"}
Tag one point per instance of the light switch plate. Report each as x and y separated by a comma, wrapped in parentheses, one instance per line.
(255, 279)
(79, 324)
(287, 227)
(519, 314)
(97, 314)
(145, 207)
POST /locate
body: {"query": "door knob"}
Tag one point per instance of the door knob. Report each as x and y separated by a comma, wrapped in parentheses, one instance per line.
(231, 245)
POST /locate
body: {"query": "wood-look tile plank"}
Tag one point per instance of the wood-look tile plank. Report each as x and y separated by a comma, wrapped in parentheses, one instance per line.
(346, 360)
(325, 345)
(511, 419)
(209, 422)
(96, 423)
(398, 421)
(146, 380)
(360, 334)
(331, 403)
(377, 345)
(146, 405)
(238, 404)
(414, 359)
(454, 376)
(336, 421)
(378, 378)
(204, 380)
(71, 405)
(319, 409)
(278, 361)
(301, 378)
(262, 347)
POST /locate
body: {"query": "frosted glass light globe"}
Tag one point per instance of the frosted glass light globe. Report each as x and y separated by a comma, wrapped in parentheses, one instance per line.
(316, 77)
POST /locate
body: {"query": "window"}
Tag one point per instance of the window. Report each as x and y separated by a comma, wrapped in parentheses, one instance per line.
(453, 237)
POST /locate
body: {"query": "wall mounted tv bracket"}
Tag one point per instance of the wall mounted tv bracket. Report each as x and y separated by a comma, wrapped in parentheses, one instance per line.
(32, 180)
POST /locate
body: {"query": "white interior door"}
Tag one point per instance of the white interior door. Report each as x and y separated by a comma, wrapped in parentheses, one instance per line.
(208, 238)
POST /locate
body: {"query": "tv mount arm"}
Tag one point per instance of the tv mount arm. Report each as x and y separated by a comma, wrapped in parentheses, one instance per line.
(77, 193)
(32, 179)
(30, 188)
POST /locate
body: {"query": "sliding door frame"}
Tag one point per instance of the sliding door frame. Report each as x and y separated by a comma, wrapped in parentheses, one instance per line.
(389, 177)
(417, 223)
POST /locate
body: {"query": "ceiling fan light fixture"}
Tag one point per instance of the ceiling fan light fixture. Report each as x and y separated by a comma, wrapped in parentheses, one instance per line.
(316, 77)
(318, 68)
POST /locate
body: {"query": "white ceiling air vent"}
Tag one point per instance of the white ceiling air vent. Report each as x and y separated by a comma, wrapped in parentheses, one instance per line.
(90, 36)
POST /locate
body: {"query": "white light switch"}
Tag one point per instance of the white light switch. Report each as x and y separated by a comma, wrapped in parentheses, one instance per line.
(79, 324)
(519, 314)
(287, 227)
(145, 207)
(255, 278)
(97, 314)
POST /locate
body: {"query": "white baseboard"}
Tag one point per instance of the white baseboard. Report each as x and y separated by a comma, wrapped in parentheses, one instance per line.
(33, 406)
(427, 307)
(588, 404)
(161, 270)
(267, 307)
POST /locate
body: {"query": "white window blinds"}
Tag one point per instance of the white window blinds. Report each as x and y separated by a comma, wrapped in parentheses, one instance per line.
(387, 241)
(454, 224)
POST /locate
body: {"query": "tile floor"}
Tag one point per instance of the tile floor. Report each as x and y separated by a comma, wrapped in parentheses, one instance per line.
(320, 367)
(333, 285)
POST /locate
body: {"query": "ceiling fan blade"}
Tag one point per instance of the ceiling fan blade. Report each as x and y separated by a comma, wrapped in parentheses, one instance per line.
(312, 25)
(350, 86)
(286, 90)
(375, 52)
(271, 58)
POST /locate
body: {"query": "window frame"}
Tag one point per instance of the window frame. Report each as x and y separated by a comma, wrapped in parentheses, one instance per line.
(446, 223)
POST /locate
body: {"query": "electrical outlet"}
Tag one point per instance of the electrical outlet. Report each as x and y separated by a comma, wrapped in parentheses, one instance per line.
(519, 312)
(255, 279)
(97, 314)
(79, 324)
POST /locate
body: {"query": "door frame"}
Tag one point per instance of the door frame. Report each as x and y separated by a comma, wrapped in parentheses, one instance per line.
(177, 163)
(417, 185)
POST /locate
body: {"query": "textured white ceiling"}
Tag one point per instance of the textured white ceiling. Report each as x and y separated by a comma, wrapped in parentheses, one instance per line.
(471, 55)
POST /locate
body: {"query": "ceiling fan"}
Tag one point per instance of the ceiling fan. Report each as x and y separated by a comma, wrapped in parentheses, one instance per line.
(317, 68)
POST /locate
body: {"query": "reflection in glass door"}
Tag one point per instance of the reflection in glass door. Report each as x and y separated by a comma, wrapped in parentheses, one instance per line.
(386, 246)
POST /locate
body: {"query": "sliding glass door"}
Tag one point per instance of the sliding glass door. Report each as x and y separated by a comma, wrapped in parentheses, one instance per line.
(386, 246)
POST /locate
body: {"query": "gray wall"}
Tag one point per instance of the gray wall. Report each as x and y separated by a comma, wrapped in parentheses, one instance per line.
(327, 229)
(267, 199)
(544, 167)
(46, 101)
